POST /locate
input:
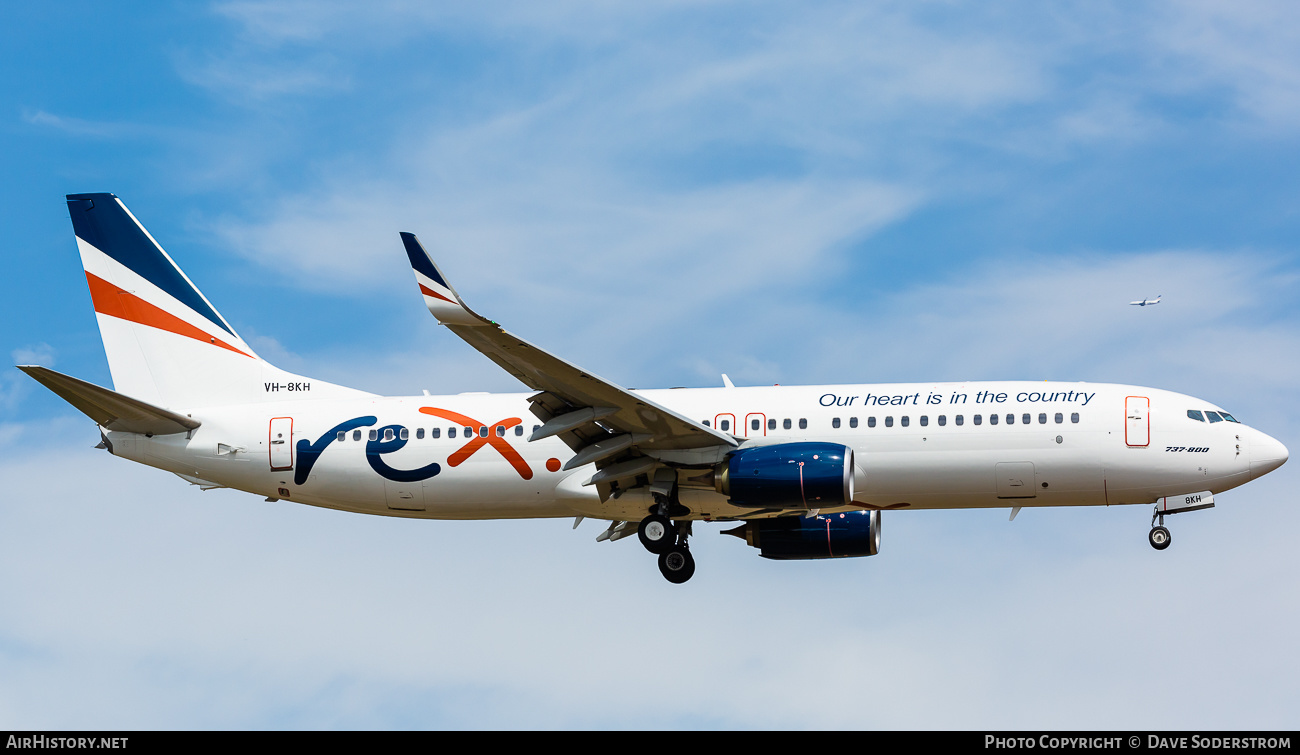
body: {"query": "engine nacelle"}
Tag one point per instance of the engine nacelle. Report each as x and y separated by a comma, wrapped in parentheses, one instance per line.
(788, 475)
(795, 538)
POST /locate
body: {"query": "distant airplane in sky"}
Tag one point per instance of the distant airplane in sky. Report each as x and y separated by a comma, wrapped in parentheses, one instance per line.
(1145, 302)
(803, 472)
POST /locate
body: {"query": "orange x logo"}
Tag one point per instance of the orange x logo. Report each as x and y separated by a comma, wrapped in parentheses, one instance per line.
(502, 446)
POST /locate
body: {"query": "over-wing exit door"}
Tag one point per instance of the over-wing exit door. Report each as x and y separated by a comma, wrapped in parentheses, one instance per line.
(1137, 421)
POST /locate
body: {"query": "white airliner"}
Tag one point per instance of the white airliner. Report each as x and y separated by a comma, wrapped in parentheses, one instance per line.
(804, 471)
(1147, 302)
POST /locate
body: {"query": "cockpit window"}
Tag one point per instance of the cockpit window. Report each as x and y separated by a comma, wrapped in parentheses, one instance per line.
(1213, 417)
(1229, 417)
(1196, 415)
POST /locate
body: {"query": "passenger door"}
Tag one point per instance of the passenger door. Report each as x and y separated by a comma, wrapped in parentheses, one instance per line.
(280, 442)
(1137, 421)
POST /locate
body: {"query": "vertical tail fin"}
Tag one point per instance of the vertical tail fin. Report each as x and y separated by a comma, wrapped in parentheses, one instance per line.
(165, 342)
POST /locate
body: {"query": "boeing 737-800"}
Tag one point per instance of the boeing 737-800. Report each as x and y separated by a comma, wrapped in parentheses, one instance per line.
(803, 472)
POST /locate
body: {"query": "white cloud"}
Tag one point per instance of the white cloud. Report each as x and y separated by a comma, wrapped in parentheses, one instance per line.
(1252, 50)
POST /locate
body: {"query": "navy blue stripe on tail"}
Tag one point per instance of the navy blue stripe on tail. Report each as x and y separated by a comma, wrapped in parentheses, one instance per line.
(99, 220)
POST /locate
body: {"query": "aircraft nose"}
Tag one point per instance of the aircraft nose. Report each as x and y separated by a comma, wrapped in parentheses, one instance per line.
(1266, 454)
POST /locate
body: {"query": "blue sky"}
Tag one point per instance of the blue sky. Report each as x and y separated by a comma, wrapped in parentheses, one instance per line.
(822, 193)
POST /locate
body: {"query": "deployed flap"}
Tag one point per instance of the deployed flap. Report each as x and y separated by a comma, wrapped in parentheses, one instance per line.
(111, 409)
(565, 388)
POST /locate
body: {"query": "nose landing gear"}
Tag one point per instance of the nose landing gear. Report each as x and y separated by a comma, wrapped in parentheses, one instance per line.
(1159, 536)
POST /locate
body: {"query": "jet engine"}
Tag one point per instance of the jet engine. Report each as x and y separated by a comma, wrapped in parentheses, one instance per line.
(788, 475)
(799, 538)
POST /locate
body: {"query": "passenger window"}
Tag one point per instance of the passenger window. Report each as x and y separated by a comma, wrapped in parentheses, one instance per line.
(1196, 415)
(501, 431)
(356, 435)
(993, 419)
(482, 431)
(755, 424)
(724, 425)
(959, 420)
(451, 432)
(419, 433)
(871, 421)
(388, 433)
(835, 423)
(771, 424)
(803, 424)
(1074, 418)
(536, 428)
(904, 420)
(469, 432)
(519, 430)
(343, 435)
(853, 421)
(785, 424)
(705, 422)
(943, 420)
(435, 432)
(1025, 419)
(404, 434)
(889, 421)
(1059, 418)
(925, 420)
(1042, 418)
(977, 419)
(374, 435)
(1213, 417)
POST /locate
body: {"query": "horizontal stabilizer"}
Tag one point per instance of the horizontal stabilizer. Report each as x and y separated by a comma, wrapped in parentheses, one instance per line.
(111, 409)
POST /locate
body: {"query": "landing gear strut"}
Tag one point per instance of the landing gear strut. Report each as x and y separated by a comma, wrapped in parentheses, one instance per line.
(1159, 537)
(666, 539)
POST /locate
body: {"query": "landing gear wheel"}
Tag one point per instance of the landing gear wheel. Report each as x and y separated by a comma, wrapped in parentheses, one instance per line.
(677, 565)
(657, 533)
(1159, 538)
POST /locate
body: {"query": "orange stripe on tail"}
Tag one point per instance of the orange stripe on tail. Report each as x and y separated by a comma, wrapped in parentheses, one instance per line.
(124, 305)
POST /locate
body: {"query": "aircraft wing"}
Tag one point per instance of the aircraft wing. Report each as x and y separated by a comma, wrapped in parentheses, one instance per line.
(599, 420)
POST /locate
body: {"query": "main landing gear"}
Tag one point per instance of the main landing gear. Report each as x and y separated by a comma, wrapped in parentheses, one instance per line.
(666, 539)
(1159, 537)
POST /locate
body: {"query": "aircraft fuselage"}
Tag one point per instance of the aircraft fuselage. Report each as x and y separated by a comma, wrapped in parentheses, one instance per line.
(467, 456)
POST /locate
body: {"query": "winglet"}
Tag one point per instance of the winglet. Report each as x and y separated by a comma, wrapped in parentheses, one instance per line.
(441, 299)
